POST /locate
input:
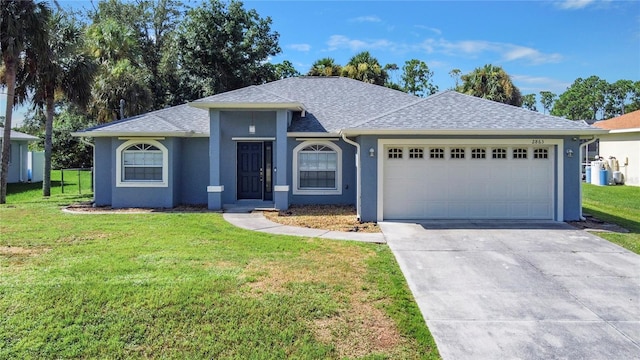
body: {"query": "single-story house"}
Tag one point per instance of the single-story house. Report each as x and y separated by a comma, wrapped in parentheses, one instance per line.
(333, 140)
(623, 143)
(18, 155)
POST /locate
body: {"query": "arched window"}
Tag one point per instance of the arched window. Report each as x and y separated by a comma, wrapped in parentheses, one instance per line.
(141, 163)
(317, 168)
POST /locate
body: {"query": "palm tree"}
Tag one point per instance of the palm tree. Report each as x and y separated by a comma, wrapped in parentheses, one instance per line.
(366, 68)
(22, 28)
(64, 71)
(492, 83)
(325, 67)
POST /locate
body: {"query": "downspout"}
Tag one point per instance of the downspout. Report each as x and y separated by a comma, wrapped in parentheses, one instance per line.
(93, 157)
(21, 164)
(358, 183)
(583, 148)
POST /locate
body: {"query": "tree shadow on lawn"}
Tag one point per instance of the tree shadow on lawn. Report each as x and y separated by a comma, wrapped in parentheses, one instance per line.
(632, 226)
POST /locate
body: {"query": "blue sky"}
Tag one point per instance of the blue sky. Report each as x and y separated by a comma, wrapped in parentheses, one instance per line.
(543, 45)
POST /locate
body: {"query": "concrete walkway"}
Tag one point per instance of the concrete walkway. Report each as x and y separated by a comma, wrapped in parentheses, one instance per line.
(520, 290)
(257, 222)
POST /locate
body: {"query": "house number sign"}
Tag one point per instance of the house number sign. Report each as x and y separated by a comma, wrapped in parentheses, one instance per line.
(537, 141)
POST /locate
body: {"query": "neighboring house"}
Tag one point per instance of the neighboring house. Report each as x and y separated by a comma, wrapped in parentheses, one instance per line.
(623, 143)
(18, 155)
(333, 140)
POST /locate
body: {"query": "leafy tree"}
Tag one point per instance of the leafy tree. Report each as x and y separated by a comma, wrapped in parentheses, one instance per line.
(222, 46)
(22, 29)
(122, 74)
(285, 70)
(583, 100)
(416, 78)
(547, 98)
(635, 98)
(455, 74)
(618, 95)
(492, 83)
(366, 68)
(64, 71)
(152, 24)
(529, 102)
(325, 67)
(392, 78)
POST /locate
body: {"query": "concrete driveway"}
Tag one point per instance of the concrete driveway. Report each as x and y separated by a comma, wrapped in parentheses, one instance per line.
(520, 290)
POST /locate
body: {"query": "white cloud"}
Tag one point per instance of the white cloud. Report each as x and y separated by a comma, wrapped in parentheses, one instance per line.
(369, 18)
(300, 47)
(574, 4)
(539, 83)
(432, 29)
(342, 42)
(506, 52)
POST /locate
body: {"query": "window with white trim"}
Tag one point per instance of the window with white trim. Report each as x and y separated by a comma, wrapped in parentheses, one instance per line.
(520, 153)
(416, 153)
(499, 153)
(141, 163)
(436, 153)
(317, 168)
(478, 153)
(457, 153)
(395, 153)
(540, 153)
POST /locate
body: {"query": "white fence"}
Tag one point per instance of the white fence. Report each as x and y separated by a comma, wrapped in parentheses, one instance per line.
(35, 166)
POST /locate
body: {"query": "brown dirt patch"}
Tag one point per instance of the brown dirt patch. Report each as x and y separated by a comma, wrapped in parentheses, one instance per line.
(359, 328)
(20, 251)
(596, 225)
(89, 208)
(326, 217)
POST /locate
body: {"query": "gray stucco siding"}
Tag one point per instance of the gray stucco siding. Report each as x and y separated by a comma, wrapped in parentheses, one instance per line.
(571, 172)
(194, 171)
(348, 186)
(104, 171)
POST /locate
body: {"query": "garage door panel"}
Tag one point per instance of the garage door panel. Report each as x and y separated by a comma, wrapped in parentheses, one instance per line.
(483, 188)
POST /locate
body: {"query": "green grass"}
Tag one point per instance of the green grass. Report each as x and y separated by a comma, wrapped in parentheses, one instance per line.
(189, 285)
(619, 205)
(25, 192)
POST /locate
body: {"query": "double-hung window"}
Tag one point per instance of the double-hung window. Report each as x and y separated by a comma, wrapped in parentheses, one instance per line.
(317, 169)
(142, 164)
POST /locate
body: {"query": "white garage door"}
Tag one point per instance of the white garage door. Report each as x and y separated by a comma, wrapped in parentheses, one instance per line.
(468, 182)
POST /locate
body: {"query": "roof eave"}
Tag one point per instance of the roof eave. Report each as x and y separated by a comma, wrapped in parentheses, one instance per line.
(138, 134)
(295, 106)
(353, 132)
(622, 131)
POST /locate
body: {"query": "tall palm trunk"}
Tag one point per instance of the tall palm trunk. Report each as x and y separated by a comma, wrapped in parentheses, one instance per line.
(48, 141)
(10, 76)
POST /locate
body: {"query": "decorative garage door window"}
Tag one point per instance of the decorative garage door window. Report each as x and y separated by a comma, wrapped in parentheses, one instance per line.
(142, 162)
(317, 167)
(499, 153)
(457, 153)
(416, 153)
(395, 153)
(519, 153)
(478, 153)
(540, 153)
(436, 153)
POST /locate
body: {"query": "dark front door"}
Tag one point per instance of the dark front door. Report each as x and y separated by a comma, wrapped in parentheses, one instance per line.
(250, 170)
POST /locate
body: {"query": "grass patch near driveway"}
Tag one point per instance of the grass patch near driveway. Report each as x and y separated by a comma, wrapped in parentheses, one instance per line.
(327, 217)
(619, 205)
(190, 285)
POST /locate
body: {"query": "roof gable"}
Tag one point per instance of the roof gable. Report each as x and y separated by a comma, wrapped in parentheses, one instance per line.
(17, 135)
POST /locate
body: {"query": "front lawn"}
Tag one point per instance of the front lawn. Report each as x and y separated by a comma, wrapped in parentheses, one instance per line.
(619, 205)
(189, 285)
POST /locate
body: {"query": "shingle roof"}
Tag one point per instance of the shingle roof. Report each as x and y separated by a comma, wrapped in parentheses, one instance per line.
(17, 135)
(626, 121)
(451, 110)
(177, 119)
(333, 104)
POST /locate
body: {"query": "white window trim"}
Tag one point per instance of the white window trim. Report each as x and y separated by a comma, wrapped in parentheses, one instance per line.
(296, 175)
(141, 183)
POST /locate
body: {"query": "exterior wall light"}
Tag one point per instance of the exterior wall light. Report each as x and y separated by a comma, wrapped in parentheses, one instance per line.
(372, 152)
(569, 153)
(252, 125)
